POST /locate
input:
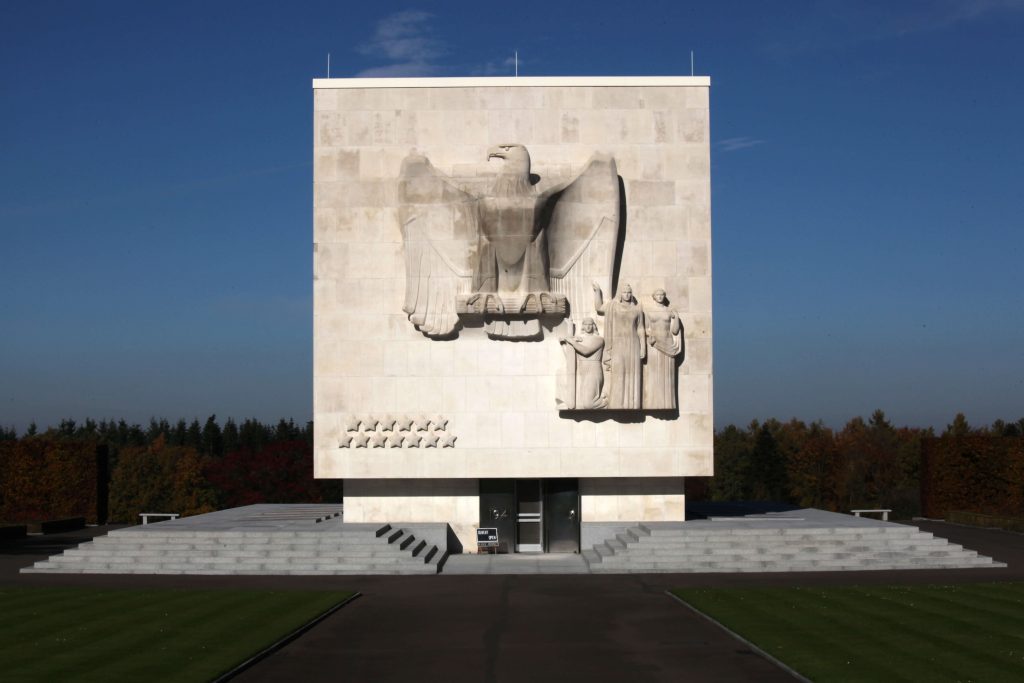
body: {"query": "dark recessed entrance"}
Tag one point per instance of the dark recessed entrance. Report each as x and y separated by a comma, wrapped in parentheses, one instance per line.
(532, 515)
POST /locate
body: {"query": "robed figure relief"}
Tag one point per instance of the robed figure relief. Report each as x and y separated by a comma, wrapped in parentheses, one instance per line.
(625, 337)
(584, 378)
(508, 253)
(665, 340)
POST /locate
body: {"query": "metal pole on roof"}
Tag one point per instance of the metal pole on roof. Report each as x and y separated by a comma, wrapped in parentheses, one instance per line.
(328, 65)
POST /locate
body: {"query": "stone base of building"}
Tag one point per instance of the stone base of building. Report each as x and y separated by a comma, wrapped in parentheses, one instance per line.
(531, 515)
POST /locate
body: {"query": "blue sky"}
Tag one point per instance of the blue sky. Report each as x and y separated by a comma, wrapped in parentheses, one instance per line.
(156, 199)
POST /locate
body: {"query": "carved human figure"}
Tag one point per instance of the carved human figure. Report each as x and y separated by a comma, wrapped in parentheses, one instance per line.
(585, 380)
(625, 337)
(665, 338)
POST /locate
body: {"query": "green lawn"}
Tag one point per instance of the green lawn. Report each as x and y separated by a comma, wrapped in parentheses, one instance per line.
(964, 632)
(82, 634)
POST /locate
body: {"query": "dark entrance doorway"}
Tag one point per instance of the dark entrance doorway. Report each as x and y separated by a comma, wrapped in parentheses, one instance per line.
(498, 510)
(532, 515)
(562, 515)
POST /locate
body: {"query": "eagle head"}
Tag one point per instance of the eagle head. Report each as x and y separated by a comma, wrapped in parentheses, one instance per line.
(515, 156)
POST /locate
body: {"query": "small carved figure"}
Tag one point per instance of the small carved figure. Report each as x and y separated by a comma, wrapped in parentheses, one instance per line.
(584, 354)
(665, 337)
(625, 337)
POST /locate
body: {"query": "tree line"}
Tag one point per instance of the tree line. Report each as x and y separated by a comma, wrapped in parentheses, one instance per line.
(184, 467)
(869, 464)
(194, 467)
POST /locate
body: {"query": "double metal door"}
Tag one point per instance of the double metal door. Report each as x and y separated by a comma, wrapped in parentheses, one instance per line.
(532, 515)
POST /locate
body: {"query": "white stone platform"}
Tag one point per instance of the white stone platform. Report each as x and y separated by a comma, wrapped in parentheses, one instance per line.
(789, 541)
(258, 539)
(311, 539)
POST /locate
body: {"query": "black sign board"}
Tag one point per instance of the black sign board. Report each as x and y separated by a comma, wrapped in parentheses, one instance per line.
(487, 537)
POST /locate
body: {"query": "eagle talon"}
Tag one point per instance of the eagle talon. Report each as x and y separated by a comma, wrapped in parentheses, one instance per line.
(488, 298)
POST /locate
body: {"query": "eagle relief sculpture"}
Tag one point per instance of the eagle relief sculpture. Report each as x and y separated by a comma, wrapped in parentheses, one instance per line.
(509, 255)
(505, 252)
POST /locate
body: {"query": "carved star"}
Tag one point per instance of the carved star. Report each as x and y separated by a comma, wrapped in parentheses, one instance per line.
(420, 423)
(386, 422)
(429, 440)
(359, 440)
(377, 439)
(448, 440)
(403, 423)
(352, 423)
(395, 440)
(344, 441)
(439, 421)
(411, 441)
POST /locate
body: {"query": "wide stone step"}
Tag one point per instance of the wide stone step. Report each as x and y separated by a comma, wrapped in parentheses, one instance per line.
(642, 551)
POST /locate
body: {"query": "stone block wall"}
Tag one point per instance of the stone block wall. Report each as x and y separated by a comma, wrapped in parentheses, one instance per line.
(497, 398)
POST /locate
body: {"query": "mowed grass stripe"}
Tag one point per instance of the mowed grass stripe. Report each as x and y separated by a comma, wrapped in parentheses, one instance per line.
(868, 621)
(810, 629)
(71, 624)
(940, 633)
(808, 620)
(163, 618)
(153, 635)
(938, 648)
(80, 621)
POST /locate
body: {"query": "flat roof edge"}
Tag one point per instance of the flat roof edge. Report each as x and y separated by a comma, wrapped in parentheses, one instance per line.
(513, 82)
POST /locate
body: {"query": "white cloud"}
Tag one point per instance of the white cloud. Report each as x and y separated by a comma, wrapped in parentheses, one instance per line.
(406, 39)
(502, 67)
(734, 144)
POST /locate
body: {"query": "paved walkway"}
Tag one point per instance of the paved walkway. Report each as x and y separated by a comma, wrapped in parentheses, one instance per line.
(515, 628)
(511, 628)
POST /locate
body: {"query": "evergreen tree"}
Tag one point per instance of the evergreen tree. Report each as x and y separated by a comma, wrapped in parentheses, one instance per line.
(768, 469)
(194, 436)
(959, 427)
(732, 465)
(213, 443)
(253, 435)
(230, 436)
(179, 435)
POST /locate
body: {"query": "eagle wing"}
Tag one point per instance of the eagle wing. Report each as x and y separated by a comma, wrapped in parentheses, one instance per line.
(583, 235)
(439, 235)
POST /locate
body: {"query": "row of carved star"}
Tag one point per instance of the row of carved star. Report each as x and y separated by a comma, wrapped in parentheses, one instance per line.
(397, 440)
(419, 423)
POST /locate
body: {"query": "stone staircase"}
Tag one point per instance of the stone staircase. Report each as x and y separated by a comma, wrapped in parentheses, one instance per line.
(684, 547)
(330, 547)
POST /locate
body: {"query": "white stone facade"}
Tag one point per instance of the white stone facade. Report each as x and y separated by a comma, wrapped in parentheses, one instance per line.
(491, 403)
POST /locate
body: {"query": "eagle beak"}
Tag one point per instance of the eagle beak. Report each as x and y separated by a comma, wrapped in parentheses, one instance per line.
(495, 152)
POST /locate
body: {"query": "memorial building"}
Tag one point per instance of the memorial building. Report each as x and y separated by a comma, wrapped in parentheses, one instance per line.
(512, 302)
